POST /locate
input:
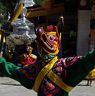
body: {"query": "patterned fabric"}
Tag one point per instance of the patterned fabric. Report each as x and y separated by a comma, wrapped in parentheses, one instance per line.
(29, 72)
(48, 88)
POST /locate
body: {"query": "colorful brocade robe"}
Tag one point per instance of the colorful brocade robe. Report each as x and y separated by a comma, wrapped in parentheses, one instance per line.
(55, 78)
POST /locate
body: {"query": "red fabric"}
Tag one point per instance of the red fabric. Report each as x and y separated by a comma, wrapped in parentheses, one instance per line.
(27, 60)
(50, 95)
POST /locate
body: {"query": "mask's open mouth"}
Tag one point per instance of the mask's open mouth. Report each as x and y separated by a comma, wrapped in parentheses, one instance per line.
(46, 43)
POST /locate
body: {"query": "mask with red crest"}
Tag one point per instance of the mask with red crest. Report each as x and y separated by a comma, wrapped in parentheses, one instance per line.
(48, 40)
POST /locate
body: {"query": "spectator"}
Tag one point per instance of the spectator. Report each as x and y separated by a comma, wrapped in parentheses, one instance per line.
(89, 79)
(28, 58)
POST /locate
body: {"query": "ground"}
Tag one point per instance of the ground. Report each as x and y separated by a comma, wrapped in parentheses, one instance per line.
(10, 87)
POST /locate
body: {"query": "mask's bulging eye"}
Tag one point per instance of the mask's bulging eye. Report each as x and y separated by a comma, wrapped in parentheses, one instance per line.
(51, 38)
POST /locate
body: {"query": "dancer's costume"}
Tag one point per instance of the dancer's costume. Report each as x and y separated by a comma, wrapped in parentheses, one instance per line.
(50, 76)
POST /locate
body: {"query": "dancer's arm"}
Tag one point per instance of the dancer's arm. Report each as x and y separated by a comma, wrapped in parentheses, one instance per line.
(78, 71)
(13, 71)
